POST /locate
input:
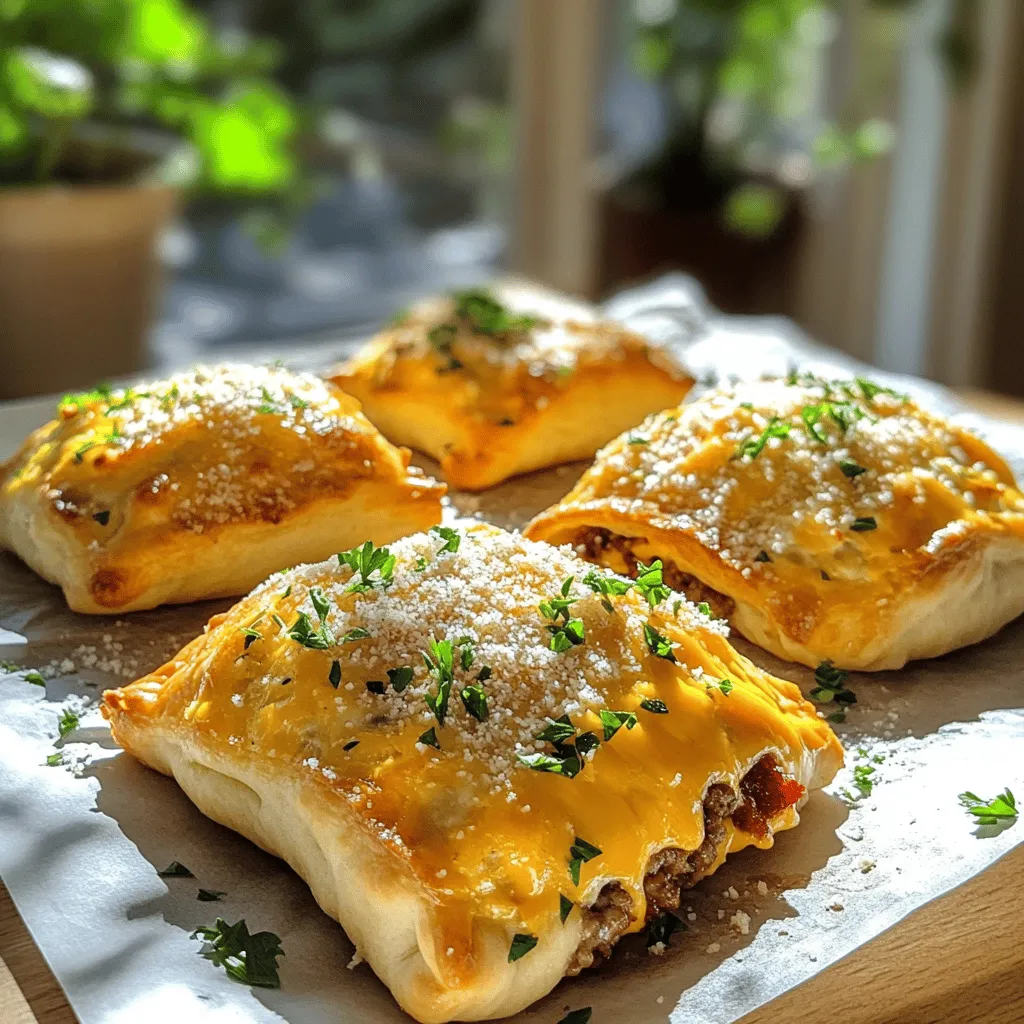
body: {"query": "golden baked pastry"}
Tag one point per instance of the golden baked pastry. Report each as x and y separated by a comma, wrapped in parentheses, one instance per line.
(486, 763)
(201, 485)
(829, 520)
(490, 393)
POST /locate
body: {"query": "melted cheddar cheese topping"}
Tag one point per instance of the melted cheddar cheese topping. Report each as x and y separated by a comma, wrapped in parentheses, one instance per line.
(489, 402)
(486, 835)
(197, 451)
(822, 502)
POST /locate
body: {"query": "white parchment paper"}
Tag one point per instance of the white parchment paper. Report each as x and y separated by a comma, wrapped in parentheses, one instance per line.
(81, 843)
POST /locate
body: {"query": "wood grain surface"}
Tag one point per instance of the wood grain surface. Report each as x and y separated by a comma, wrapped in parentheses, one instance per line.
(959, 959)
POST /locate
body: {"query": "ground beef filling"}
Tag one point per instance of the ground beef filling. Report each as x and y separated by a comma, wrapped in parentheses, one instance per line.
(764, 793)
(595, 542)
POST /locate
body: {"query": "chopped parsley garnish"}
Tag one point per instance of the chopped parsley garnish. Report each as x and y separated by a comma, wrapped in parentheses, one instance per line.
(475, 701)
(486, 315)
(565, 906)
(440, 664)
(563, 762)
(365, 561)
(566, 632)
(557, 730)
(832, 685)
(650, 582)
(841, 413)
(268, 405)
(250, 959)
(869, 389)
(660, 646)
(356, 633)
(655, 706)
(862, 778)
(175, 870)
(400, 677)
(762, 556)
(375, 686)
(636, 439)
(55, 760)
(484, 674)
(850, 468)
(34, 677)
(661, 929)
(302, 632)
(102, 517)
(465, 645)
(613, 721)
(320, 603)
(452, 538)
(210, 895)
(607, 586)
(999, 810)
(99, 395)
(863, 523)
(421, 564)
(429, 739)
(580, 1016)
(351, 745)
(334, 676)
(521, 945)
(297, 403)
(586, 742)
(753, 446)
(726, 686)
(67, 723)
(705, 609)
(251, 636)
(579, 853)
(287, 592)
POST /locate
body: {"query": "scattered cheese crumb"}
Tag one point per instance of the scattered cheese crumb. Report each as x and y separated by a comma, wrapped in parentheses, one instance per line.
(741, 922)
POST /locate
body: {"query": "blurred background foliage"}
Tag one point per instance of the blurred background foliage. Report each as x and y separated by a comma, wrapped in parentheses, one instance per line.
(77, 76)
(735, 79)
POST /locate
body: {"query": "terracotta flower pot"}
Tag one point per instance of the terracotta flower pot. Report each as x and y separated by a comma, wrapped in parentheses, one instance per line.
(78, 280)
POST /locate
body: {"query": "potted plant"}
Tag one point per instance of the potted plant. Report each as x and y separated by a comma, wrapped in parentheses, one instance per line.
(740, 142)
(108, 108)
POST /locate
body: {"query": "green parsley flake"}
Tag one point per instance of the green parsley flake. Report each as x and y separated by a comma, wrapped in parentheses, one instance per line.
(365, 561)
(452, 538)
(334, 676)
(753, 446)
(579, 853)
(521, 945)
(660, 646)
(481, 311)
(655, 706)
(400, 677)
(649, 581)
(440, 664)
(67, 723)
(864, 523)
(102, 517)
(429, 739)
(832, 686)
(557, 730)
(850, 468)
(566, 632)
(580, 1016)
(175, 870)
(251, 636)
(565, 906)
(613, 721)
(475, 702)
(725, 686)
(607, 586)
(210, 895)
(250, 959)
(705, 609)
(55, 760)
(563, 762)
(1000, 810)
